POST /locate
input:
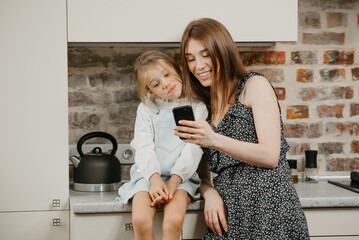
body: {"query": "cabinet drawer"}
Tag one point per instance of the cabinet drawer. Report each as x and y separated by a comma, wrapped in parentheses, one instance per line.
(194, 226)
(332, 221)
(42, 225)
(112, 226)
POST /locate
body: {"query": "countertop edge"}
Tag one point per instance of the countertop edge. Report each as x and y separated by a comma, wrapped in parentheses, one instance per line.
(319, 195)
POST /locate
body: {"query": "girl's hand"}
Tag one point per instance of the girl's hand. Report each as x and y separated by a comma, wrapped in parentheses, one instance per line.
(158, 191)
(172, 185)
(215, 213)
(196, 132)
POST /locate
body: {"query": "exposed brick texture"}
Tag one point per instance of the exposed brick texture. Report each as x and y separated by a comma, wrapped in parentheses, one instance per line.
(77, 80)
(326, 111)
(308, 94)
(295, 130)
(301, 130)
(309, 20)
(355, 74)
(332, 75)
(342, 164)
(280, 93)
(304, 57)
(263, 58)
(298, 149)
(337, 19)
(273, 75)
(83, 120)
(330, 148)
(355, 146)
(354, 109)
(325, 38)
(125, 171)
(342, 93)
(338, 57)
(297, 112)
(342, 129)
(304, 75)
(328, 5)
(88, 98)
(87, 57)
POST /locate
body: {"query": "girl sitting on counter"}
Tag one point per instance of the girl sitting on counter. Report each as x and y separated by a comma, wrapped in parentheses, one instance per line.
(164, 173)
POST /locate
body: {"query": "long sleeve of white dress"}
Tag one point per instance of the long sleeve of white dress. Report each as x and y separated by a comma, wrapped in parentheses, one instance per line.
(143, 143)
(191, 154)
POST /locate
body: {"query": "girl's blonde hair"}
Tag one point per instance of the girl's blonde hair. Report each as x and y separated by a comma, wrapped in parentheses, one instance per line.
(146, 60)
(225, 59)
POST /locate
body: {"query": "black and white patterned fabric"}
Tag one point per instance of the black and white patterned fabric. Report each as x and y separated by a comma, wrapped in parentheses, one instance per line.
(261, 203)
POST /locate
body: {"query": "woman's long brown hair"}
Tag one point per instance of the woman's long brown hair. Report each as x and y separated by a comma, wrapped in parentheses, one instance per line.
(227, 65)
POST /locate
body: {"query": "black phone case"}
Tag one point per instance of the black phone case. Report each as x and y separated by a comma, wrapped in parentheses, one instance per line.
(183, 113)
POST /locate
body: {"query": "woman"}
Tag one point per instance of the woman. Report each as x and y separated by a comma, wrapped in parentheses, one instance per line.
(253, 195)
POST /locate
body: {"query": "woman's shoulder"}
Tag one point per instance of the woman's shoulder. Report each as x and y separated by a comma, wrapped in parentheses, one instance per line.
(252, 80)
(252, 74)
(257, 87)
(257, 81)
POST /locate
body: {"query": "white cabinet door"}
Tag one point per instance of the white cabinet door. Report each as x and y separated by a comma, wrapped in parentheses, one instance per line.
(33, 103)
(116, 226)
(164, 21)
(194, 226)
(335, 222)
(34, 225)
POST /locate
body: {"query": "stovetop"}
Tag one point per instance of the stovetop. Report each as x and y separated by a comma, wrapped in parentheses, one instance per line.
(346, 184)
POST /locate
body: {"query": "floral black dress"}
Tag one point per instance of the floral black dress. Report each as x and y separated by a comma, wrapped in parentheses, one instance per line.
(261, 203)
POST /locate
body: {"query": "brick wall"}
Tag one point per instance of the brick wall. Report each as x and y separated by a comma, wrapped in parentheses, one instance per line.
(316, 80)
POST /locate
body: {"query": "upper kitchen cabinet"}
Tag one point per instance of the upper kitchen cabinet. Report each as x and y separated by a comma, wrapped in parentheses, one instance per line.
(163, 21)
(34, 110)
(34, 202)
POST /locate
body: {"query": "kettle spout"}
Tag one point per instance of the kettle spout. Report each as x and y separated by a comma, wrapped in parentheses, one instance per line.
(75, 160)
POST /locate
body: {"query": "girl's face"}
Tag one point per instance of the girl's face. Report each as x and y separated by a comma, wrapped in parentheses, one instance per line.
(163, 81)
(199, 62)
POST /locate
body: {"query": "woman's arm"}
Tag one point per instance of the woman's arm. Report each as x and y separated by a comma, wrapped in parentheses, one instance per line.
(215, 213)
(260, 97)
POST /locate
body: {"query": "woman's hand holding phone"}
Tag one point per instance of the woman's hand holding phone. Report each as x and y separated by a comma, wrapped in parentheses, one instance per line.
(197, 132)
(191, 130)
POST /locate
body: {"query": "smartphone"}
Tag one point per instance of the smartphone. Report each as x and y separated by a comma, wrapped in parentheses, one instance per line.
(183, 113)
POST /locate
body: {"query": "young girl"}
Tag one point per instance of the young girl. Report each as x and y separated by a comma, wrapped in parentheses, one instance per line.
(164, 173)
(253, 195)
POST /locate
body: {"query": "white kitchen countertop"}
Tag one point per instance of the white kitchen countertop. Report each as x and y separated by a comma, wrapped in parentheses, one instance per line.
(311, 195)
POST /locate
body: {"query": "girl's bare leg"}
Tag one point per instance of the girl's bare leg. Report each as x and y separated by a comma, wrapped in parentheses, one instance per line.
(142, 216)
(174, 213)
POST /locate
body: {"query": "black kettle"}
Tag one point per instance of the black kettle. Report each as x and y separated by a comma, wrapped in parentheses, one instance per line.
(96, 171)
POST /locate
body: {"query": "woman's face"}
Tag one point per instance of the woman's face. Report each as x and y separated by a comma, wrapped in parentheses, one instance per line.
(199, 62)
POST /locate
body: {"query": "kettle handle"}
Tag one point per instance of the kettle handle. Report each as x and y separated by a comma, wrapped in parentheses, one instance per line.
(93, 135)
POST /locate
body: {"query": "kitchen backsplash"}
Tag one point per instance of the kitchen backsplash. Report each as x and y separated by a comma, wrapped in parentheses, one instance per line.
(316, 80)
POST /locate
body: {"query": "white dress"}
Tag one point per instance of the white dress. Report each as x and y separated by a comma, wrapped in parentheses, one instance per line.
(158, 150)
